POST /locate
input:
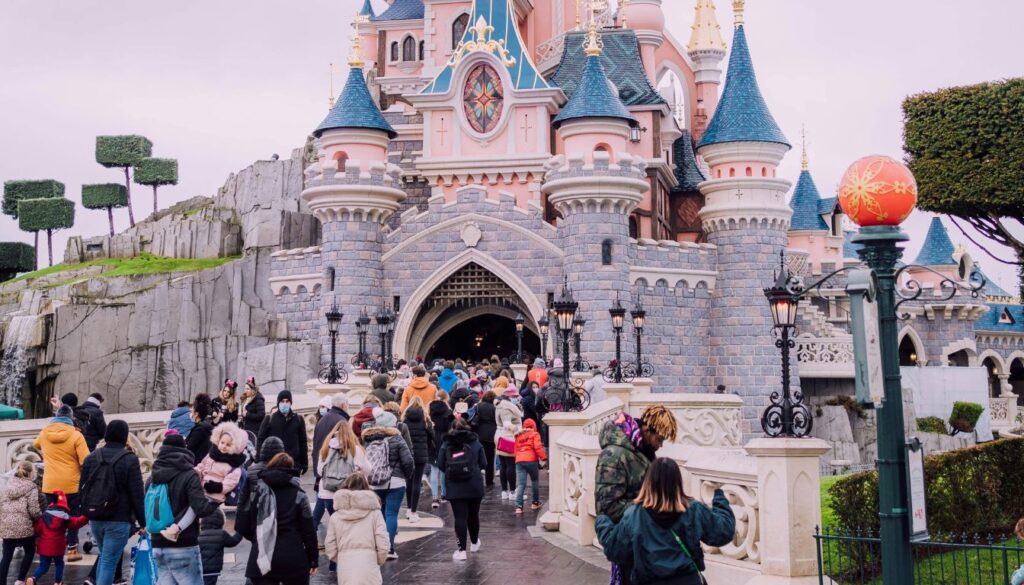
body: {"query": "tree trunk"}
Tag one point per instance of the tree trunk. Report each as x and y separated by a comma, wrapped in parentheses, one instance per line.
(49, 244)
(36, 249)
(128, 186)
(110, 217)
(154, 200)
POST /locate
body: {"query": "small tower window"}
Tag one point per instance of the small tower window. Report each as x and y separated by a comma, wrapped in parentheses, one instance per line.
(1006, 318)
(342, 159)
(606, 253)
(732, 172)
(634, 227)
(409, 49)
(764, 171)
(422, 45)
(329, 277)
(750, 172)
(394, 51)
(459, 29)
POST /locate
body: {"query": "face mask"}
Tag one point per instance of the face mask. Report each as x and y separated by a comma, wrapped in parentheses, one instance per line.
(323, 410)
(284, 407)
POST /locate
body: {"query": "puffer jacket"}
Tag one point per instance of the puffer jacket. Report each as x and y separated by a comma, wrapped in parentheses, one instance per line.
(419, 387)
(509, 421)
(19, 509)
(213, 539)
(441, 417)
(621, 468)
(473, 487)
(399, 454)
(357, 538)
(52, 527)
(181, 421)
(219, 472)
(97, 426)
(254, 410)
(64, 450)
(485, 422)
(174, 466)
(529, 447)
(422, 434)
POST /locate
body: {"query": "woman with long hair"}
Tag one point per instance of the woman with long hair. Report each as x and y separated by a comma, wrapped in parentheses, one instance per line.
(659, 536)
(225, 404)
(340, 456)
(421, 431)
(253, 406)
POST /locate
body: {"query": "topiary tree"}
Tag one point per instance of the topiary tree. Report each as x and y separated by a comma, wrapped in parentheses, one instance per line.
(105, 196)
(124, 152)
(46, 214)
(15, 191)
(156, 172)
(965, 146)
(16, 257)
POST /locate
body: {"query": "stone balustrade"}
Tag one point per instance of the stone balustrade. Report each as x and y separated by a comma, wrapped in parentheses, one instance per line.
(1003, 413)
(825, 357)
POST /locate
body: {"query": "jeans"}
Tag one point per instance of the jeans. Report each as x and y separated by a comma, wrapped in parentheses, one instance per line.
(508, 473)
(322, 505)
(467, 517)
(28, 547)
(75, 504)
(531, 468)
(390, 502)
(44, 567)
(436, 482)
(179, 566)
(111, 538)
(413, 487)
(489, 472)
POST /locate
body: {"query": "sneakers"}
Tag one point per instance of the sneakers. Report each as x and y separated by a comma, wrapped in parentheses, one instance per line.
(459, 556)
(73, 555)
(88, 581)
(412, 517)
(171, 533)
(435, 504)
(474, 546)
(506, 495)
(519, 509)
(535, 506)
(392, 556)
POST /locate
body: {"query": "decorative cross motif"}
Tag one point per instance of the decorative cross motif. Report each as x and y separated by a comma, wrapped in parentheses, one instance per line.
(526, 126)
(442, 131)
(739, 194)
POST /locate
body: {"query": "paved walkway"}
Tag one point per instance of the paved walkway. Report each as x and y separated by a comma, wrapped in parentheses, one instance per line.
(510, 554)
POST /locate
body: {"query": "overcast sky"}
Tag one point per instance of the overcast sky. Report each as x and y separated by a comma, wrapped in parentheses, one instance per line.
(220, 83)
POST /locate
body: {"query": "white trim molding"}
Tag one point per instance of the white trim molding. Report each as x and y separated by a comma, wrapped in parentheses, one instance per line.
(673, 276)
(282, 285)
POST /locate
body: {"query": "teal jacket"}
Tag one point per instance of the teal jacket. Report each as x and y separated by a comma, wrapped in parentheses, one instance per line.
(644, 539)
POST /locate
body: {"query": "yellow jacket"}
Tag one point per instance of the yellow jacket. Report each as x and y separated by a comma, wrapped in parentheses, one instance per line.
(64, 451)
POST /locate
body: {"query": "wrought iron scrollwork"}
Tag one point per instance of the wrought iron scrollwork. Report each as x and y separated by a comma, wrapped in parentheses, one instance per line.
(333, 374)
(644, 370)
(913, 290)
(577, 399)
(786, 410)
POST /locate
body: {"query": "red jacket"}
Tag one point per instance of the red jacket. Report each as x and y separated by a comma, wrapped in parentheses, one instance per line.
(529, 447)
(52, 531)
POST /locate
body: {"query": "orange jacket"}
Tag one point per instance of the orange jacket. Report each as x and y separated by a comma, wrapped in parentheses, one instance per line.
(538, 375)
(419, 387)
(529, 447)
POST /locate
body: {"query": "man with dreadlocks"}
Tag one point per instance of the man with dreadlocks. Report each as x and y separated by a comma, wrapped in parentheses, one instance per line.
(628, 447)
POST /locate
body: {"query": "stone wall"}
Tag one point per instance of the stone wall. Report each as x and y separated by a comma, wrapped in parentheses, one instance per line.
(296, 280)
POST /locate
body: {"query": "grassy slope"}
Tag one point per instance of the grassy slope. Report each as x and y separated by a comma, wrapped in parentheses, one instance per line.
(144, 264)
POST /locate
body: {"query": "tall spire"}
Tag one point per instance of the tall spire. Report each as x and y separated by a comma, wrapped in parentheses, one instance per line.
(593, 40)
(330, 77)
(355, 57)
(737, 10)
(804, 163)
(937, 249)
(355, 108)
(366, 12)
(705, 31)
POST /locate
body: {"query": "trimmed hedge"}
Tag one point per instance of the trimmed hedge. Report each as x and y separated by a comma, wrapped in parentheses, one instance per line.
(965, 416)
(104, 195)
(156, 171)
(974, 490)
(932, 424)
(17, 257)
(15, 191)
(122, 151)
(46, 214)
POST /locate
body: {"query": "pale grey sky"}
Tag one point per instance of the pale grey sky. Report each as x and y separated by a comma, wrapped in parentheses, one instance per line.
(221, 83)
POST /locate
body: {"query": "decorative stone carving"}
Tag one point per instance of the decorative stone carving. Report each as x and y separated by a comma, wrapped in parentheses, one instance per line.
(471, 234)
(709, 427)
(746, 544)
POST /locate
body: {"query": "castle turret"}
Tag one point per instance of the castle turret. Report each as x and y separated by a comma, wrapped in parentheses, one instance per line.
(648, 20)
(815, 227)
(937, 253)
(352, 190)
(367, 31)
(595, 187)
(746, 216)
(707, 50)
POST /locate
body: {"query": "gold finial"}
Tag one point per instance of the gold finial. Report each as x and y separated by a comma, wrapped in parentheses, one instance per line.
(737, 9)
(330, 76)
(593, 48)
(804, 164)
(355, 58)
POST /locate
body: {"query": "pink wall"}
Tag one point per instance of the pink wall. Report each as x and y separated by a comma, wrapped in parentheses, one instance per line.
(820, 246)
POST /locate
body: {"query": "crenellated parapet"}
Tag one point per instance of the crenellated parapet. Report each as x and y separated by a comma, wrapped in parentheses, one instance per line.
(574, 185)
(363, 191)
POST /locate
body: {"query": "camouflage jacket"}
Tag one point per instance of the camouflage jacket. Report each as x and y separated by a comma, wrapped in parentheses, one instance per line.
(620, 472)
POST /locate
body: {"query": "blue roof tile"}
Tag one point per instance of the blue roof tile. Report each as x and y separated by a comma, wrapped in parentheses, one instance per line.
(849, 247)
(402, 10)
(992, 289)
(828, 205)
(620, 56)
(742, 114)
(990, 320)
(806, 205)
(367, 9)
(355, 108)
(688, 174)
(938, 248)
(595, 97)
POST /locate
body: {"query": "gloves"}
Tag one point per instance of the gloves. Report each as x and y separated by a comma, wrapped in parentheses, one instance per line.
(213, 487)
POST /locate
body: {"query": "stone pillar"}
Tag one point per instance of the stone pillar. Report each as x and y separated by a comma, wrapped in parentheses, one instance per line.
(1005, 388)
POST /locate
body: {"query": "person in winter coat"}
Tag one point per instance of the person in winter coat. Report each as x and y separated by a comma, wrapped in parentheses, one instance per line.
(485, 425)
(64, 451)
(288, 426)
(628, 446)
(254, 407)
(403, 429)
(357, 537)
(213, 539)
(329, 419)
(341, 453)
(97, 426)
(79, 416)
(379, 388)
(279, 524)
(462, 457)
(365, 415)
(446, 381)
(386, 449)
(509, 421)
(595, 385)
(272, 446)
(198, 439)
(52, 529)
(659, 537)
(420, 386)
(123, 487)
(225, 405)
(221, 470)
(538, 373)
(19, 510)
(180, 420)
(441, 418)
(422, 434)
(179, 557)
(530, 455)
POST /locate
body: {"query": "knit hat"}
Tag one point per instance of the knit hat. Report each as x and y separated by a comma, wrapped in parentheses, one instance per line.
(325, 401)
(284, 395)
(170, 432)
(271, 446)
(174, 441)
(383, 418)
(538, 363)
(65, 411)
(117, 432)
(60, 500)
(510, 393)
(474, 383)
(379, 381)
(70, 399)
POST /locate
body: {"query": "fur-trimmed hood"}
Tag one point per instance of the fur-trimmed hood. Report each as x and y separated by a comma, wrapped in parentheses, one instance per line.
(371, 434)
(239, 438)
(355, 504)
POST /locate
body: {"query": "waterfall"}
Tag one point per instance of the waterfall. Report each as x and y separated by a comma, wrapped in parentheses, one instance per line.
(16, 358)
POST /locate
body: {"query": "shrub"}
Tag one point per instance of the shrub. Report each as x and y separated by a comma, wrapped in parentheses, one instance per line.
(965, 416)
(932, 424)
(156, 171)
(847, 402)
(17, 257)
(122, 151)
(15, 191)
(104, 195)
(45, 214)
(973, 490)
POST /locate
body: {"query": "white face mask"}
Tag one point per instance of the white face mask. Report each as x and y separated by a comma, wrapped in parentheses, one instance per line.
(323, 410)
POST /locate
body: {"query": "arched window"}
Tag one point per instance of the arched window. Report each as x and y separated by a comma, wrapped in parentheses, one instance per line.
(422, 44)
(394, 51)
(459, 29)
(634, 227)
(409, 49)
(732, 172)
(342, 160)
(750, 172)
(329, 277)
(606, 253)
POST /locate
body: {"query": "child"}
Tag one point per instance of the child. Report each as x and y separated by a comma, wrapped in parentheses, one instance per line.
(212, 541)
(221, 469)
(181, 419)
(52, 532)
(1018, 575)
(530, 456)
(357, 538)
(19, 509)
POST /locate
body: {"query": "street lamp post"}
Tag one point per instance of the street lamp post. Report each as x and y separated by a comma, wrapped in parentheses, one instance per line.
(520, 323)
(565, 312)
(363, 327)
(618, 314)
(785, 416)
(544, 325)
(333, 323)
(389, 362)
(577, 332)
(383, 319)
(639, 315)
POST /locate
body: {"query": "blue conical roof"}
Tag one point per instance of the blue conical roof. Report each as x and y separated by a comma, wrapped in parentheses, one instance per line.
(688, 174)
(367, 9)
(938, 248)
(742, 115)
(595, 97)
(806, 205)
(402, 10)
(355, 108)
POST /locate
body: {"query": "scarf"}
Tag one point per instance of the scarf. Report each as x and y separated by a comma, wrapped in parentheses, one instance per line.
(266, 525)
(630, 427)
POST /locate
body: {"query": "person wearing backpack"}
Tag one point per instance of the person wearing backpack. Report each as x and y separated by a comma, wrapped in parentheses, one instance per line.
(64, 451)
(221, 472)
(340, 456)
(421, 431)
(112, 498)
(461, 457)
(391, 464)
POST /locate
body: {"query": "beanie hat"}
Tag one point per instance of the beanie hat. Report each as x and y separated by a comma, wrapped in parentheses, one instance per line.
(60, 500)
(538, 363)
(65, 411)
(170, 432)
(324, 402)
(380, 381)
(70, 399)
(174, 440)
(383, 418)
(271, 446)
(284, 395)
(117, 432)
(474, 383)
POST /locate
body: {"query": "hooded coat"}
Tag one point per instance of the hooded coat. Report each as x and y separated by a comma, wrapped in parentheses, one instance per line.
(529, 447)
(291, 429)
(621, 468)
(219, 473)
(127, 481)
(181, 421)
(357, 538)
(509, 421)
(52, 527)
(19, 509)
(296, 535)
(419, 387)
(175, 467)
(446, 381)
(97, 426)
(422, 434)
(441, 417)
(365, 415)
(254, 410)
(64, 450)
(399, 454)
(379, 384)
(473, 487)
(213, 539)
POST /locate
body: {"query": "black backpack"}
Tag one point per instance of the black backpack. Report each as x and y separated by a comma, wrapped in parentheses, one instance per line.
(100, 492)
(460, 465)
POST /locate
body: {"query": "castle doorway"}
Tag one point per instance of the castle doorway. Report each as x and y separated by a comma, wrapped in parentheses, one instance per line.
(480, 337)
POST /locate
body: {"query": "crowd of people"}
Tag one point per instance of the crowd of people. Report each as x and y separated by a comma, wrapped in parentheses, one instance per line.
(458, 428)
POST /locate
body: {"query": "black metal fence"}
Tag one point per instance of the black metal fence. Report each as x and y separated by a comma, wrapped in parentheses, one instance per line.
(854, 558)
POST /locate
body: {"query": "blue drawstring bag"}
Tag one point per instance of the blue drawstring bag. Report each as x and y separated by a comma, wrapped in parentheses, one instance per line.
(143, 565)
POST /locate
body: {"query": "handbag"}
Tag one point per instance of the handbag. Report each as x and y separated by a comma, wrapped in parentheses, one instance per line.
(687, 551)
(506, 445)
(143, 565)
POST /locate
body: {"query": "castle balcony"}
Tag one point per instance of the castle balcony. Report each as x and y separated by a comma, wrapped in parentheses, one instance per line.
(825, 357)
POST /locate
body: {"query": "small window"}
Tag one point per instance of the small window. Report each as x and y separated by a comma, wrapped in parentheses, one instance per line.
(396, 301)
(329, 277)
(606, 253)
(394, 51)
(750, 172)
(634, 227)
(764, 171)
(459, 29)
(422, 44)
(1006, 318)
(409, 49)
(342, 160)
